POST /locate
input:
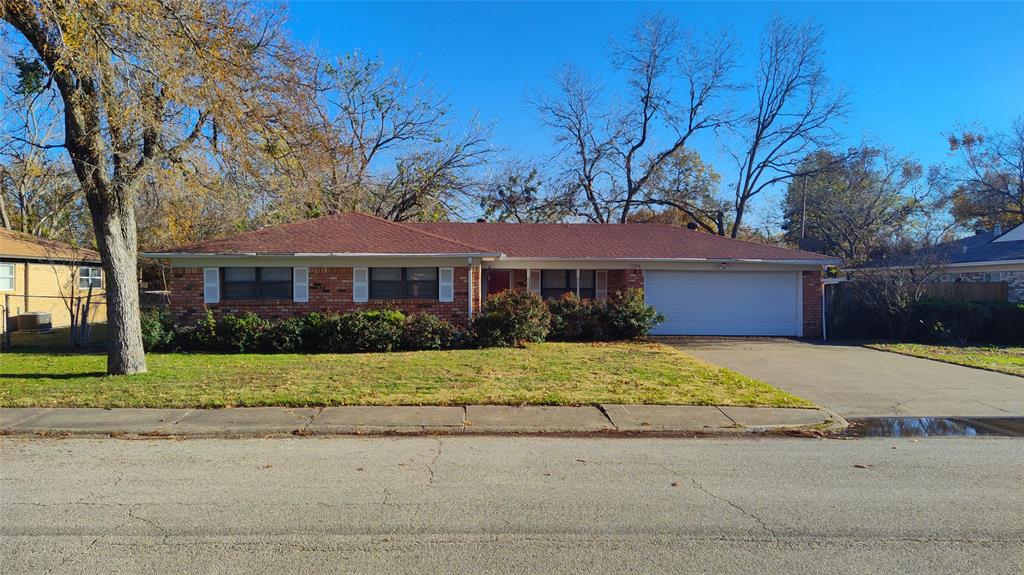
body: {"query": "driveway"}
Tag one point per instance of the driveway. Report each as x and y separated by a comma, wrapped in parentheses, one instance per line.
(857, 382)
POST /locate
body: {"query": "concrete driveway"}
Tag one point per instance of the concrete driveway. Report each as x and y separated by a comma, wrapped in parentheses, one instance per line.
(857, 382)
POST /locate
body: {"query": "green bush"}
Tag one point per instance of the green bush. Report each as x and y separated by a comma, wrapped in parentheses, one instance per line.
(575, 319)
(368, 331)
(427, 331)
(199, 337)
(158, 331)
(285, 336)
(243, 333)
(940, 321)
(511, 318)
(628, 316)
(1005, 324)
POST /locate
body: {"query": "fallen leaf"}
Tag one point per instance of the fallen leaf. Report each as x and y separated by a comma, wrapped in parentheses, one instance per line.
(861, 466)
(267, 466)
(676, 483)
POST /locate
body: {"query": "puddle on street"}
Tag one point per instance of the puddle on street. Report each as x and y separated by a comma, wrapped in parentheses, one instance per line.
(935, 426)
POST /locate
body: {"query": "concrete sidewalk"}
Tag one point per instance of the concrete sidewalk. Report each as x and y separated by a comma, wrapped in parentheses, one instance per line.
(482, 419)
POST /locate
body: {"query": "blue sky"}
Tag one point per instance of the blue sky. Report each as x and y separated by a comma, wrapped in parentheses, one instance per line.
(916, 70)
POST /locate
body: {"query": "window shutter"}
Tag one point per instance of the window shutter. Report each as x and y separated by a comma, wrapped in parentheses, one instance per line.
(534, 283)
(211, 285)
(300, 285)
(446, 284)
(360, 285)
(601, 285)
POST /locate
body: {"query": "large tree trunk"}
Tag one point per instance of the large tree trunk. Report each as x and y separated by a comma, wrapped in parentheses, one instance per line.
(114, 225)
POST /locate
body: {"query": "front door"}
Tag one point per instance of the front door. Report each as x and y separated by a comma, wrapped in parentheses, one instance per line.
(498, 281)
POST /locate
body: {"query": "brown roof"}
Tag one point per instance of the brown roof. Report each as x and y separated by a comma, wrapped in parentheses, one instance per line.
(609, 241)
(348, 233)
(355, 233)
(16, 245)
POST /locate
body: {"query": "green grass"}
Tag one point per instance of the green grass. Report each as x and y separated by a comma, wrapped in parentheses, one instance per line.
(549, 373)
(995, 358)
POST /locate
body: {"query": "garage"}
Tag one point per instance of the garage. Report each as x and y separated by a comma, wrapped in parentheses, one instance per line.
(725, 302)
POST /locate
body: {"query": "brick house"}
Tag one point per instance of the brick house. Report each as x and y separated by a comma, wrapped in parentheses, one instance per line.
(704, 284)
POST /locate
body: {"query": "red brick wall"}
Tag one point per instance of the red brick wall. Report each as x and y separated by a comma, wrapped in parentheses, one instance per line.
(619, 280)
(330, 290)
(812, 303)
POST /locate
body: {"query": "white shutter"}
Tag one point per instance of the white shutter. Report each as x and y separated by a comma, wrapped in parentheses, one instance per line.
(300, 285)
(360, 284)
(601, 285)
(211, 285)
(534, 282)
(446, 284)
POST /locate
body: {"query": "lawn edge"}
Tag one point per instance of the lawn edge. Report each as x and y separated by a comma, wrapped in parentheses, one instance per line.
(940, 360)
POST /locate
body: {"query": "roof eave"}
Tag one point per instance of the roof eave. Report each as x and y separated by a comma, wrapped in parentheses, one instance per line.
(187, 255)
(822, 261)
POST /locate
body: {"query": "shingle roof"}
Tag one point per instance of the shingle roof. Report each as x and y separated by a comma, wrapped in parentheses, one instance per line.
(355, 233)
(16, 245)
(610, 241)
(977, 248)
(348, 233)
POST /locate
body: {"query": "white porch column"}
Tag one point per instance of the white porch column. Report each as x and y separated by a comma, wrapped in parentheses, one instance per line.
(577, 282)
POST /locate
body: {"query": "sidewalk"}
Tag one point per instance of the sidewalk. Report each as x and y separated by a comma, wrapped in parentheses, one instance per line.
(486, 419)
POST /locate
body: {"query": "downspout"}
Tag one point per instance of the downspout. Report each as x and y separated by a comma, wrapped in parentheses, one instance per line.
(824, 323)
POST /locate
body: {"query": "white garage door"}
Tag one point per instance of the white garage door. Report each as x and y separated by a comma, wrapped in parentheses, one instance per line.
(725, 303)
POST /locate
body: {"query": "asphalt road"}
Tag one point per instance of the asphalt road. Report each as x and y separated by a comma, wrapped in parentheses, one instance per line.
(512, 505)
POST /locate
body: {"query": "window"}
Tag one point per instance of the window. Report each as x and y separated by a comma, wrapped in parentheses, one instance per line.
(993, 277)
(90, 278)
(257, 283)
(6, 277)
(398, 283)
(554, 283)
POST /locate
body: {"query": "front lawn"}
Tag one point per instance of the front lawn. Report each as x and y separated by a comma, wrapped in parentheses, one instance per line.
(1002, 359)
(548, 373)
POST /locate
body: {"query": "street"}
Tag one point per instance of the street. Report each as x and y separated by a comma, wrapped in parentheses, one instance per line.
(512, 505)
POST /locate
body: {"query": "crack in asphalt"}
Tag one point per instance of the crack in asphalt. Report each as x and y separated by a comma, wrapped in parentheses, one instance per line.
(433, 462)
(69, 557)
(759, 520)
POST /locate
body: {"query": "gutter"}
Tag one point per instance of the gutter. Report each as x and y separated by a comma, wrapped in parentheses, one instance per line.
(823, 262)
(187, 255)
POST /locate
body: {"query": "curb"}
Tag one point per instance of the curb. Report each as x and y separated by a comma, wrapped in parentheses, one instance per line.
(541, 421)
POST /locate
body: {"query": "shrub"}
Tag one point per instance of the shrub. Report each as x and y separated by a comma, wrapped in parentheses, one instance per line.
(1005, 324)
(199, 337)
(367, 331)
(158, 330)
(940, 321)
(628, 316)
(285, 336)
(575, 319)
(510, 318)
(427, 331)
(243, 333)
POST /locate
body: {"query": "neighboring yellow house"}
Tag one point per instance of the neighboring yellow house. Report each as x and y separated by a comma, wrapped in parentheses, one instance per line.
(39, 275)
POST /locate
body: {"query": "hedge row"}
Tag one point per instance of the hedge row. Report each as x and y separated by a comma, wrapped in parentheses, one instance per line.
(934, 321)
(510, 318)
(941, 321)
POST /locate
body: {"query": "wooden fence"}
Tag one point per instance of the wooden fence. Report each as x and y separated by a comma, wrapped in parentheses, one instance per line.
(970, 291)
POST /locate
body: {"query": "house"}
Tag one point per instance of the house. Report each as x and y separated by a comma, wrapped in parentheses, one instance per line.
(986, 256)
(40, 275)
(704, 284)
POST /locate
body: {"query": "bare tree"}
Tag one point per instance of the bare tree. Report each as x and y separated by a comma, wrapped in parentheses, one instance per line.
(140, 85)
(612, 149)
(518, 193)
(397, 153)
(891, 292)
(795, 108)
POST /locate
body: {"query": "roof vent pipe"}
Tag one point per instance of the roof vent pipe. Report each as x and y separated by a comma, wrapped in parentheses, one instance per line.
(979, 231)
(998, 230)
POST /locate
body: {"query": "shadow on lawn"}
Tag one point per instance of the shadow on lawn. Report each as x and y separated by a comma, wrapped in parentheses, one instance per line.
(52, 375)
